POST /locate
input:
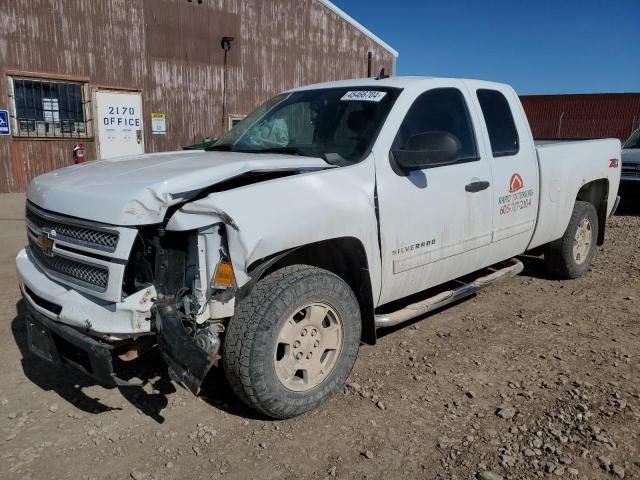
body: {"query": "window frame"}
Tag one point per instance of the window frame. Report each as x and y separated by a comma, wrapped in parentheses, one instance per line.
(233, 120)
(507, 153)
(465, 104)
(86, 107)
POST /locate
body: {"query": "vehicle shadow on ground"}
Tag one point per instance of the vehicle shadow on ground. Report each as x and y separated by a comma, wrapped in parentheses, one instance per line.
(534, 267)
(150, 371)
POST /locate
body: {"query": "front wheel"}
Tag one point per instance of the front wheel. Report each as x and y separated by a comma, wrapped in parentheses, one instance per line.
(571, 255)
(293, 341)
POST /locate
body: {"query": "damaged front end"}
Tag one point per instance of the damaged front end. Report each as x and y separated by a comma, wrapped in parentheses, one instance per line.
(195, 288)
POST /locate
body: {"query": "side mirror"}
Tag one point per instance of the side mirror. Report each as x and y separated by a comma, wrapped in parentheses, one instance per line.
(428, 150)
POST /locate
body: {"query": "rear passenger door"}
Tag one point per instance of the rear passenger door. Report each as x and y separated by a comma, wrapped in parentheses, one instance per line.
(514, 168)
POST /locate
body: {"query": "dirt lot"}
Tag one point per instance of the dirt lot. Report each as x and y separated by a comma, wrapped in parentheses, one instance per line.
(532, 378)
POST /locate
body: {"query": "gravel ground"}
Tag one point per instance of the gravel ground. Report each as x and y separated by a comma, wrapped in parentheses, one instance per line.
(531, 378)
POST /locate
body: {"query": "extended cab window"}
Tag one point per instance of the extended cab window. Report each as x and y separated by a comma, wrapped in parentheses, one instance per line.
(502, 129)
(437, 117)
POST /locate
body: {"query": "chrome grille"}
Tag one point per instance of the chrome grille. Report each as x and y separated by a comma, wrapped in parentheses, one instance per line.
(72, 233)
(631, 170)
(89, 276)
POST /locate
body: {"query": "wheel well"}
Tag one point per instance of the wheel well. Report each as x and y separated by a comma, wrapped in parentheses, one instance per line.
(597, 193)
(345, 257)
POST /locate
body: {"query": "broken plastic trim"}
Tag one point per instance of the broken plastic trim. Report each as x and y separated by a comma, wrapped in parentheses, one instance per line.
(188, 363)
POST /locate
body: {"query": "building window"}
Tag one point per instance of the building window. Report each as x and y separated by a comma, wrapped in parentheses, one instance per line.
(50, 108)
(234, 120)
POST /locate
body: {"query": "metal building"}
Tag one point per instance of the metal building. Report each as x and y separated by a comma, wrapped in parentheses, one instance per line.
(606, 115)
(127, 76)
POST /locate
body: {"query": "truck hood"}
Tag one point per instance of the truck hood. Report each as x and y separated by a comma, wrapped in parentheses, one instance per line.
(138, 190)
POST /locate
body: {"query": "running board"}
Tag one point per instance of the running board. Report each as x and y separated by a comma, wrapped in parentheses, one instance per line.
(513, 267)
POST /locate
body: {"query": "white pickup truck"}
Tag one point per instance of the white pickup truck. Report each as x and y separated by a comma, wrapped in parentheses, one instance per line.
(331, 211)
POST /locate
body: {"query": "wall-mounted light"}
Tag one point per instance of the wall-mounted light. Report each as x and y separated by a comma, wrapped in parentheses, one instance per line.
(225, 44)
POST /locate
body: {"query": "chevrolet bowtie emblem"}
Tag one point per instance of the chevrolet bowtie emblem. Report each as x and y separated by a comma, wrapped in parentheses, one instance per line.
(45, 243)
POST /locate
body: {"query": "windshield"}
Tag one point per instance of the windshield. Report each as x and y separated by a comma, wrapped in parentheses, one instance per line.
(336, 124)
(634, 140)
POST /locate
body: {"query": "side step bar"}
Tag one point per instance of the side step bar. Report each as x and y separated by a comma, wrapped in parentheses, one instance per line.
(513, 267)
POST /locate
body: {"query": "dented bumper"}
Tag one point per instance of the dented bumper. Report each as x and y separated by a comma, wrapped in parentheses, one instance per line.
(61, 344)
(68, 306)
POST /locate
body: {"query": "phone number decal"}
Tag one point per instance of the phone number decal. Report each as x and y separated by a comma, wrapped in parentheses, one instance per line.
(515, 202)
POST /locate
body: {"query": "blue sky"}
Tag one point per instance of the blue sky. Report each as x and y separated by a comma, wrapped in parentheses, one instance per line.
(538, 46)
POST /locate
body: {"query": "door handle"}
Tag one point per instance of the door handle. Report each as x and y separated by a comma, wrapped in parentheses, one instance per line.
(474, 187)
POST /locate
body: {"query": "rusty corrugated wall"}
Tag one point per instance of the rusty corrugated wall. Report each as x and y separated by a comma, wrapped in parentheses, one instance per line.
(611, 115)
(170, 51)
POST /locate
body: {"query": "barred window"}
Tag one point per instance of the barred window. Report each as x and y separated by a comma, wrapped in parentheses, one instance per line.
(50, 108)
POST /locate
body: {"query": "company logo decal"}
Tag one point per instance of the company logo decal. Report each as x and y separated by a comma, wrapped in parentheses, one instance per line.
(613, 163)
(517, 199)
(516, 183)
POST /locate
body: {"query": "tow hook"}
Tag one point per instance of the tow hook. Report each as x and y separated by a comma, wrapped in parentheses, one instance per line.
(188, 363)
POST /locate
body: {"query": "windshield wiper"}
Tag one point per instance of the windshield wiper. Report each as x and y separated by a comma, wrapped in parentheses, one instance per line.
(330, 158)
(225, 147)
(286, 150)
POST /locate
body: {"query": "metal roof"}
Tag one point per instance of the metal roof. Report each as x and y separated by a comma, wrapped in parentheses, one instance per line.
(360, 27)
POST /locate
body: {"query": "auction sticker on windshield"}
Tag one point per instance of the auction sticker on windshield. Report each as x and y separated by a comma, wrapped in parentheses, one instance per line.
(363, 96)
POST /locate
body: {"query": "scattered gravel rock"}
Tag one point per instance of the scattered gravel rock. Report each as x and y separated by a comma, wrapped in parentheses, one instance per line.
(506, 412)
(354, 386)
(618, 470)
(488, 475)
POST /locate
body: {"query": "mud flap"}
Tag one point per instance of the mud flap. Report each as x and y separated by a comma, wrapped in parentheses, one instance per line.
(188, 363)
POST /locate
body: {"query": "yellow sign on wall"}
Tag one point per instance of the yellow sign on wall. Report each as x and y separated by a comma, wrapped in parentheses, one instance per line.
(158, 123)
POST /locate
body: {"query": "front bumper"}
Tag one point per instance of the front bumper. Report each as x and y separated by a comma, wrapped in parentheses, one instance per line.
(76, 309)
(629, 185)
(63, 345)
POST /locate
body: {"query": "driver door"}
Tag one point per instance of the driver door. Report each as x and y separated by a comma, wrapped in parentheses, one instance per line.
(435, 221)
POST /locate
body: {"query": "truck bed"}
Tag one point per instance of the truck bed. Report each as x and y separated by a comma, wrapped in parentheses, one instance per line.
(559, 162)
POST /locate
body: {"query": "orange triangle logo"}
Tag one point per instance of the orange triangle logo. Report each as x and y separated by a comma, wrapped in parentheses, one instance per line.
(516, 183)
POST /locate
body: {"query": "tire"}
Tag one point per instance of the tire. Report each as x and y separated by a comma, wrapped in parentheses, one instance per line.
(563, 258)
(260, 352)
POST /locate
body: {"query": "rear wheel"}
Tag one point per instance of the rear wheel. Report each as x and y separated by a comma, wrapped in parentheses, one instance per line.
(293, 341)
(572, 255)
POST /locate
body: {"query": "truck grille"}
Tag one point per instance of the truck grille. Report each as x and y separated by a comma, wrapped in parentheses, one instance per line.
(631, 170)
(89, 276)
(71, 233)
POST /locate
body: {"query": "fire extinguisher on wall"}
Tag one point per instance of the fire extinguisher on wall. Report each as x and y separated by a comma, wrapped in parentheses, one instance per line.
(78, 153)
